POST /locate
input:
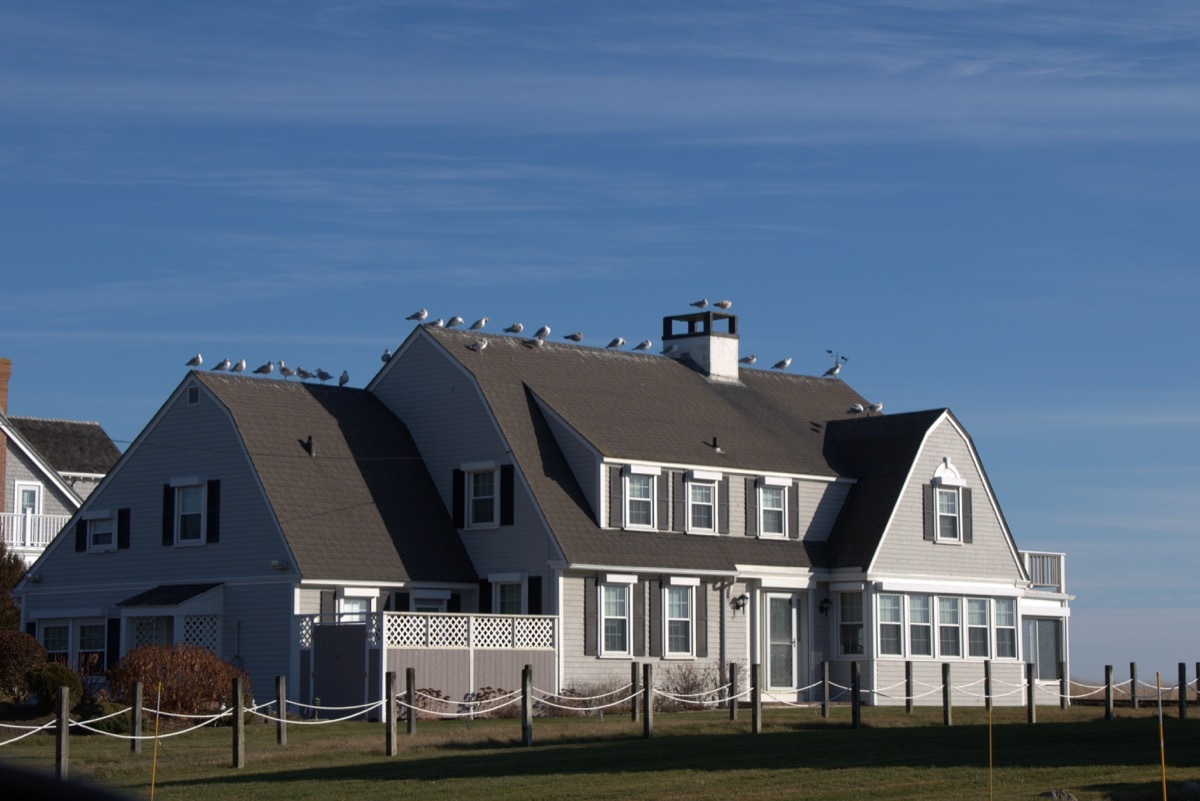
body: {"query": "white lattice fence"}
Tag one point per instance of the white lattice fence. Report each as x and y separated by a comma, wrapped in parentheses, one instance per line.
(149, 631)
(202, 630)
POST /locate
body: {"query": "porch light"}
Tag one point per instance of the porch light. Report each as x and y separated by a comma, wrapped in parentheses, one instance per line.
(823, 607)
(738, 602)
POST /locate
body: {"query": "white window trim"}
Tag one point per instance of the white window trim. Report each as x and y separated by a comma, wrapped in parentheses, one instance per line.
(91, 543)
(627, 588)
(1015, 628)
(524, 595)
(901, 624)
(39, 495)
(708, 478)
(937, 516)
(690, 653)
(178, 488)
(469, 490)
(938, 626)
(781, 484)
(861, 622)
(627, 499)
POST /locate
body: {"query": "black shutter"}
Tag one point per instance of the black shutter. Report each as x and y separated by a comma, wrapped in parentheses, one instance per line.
(31, 628)
(534, 591)
(967, 526)
(930, 511)
(458, 500)
(454, 604)
(81, 535)
(751, 507)
(112, 643)
(793, 504)
(639, 618)
(680, 521)
(656, 644)
(328, 606)
(123, 528)
(664, 502)
(723, 505)
(616, 505)
(701, 601)
(212, 518)
(400, 602)
(168, 515)
(485, 597)
(590, 626)
(506, 494)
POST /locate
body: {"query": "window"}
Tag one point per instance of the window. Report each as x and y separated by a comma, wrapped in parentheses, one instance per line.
(949, 633)
(679, 621)
(920, 626)
(772, 504)
(355, 610)
(639, 500)
(947, 515)
(189, 514)
(101, 535)
(1006, 628)
(891, 626)
(850, 611)
(977, 627)
(91, 647)
(508, 598)
(702, 506)
(481, 503)
(614, 605)
(56, 639)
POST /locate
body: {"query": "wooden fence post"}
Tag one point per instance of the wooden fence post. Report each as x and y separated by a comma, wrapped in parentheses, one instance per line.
(1108, 692)
(733, 690)
(648, 700)
(1031, 684)
(947, 714)
(1183, 690)
(633, 691)
(987, 684)
(135, 719)
(910, 687)
(756, 698)
(411, 699)
(1064, 686)
(391, 745)
(239, 725)
(1133, 688)
(281, 710)
(62, 734)
(825, 689)
(527, 706)
(855, 695)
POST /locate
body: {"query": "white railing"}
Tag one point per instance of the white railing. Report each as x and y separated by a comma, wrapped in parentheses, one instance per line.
(445, 630)
(1045, 570)
(30, 532)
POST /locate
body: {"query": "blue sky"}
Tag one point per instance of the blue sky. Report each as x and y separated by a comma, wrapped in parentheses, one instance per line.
(990, 206)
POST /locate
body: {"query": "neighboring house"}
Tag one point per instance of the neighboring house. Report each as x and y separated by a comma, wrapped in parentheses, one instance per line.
(49, 467)
(598, 506)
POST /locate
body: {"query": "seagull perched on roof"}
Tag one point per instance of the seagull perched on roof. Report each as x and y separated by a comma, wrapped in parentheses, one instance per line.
(700, 304)
(265, 369)
(535, 342)
(838, 361)
(576, 337)
(645, 344)
(856, 408)
(542, 332)
(304, 374)
(239, 366)
(418, 315)
(195, 361)
(876, 407)
(386, 356)
(782, 364)
(723, 304)
(477, 345)
(515, 328)
(751, 359)
(222, 365)
(478, 324)
(322, 375)
(616, 343)
(344, 378)
(285, 371)
(436, 323)
(453, 321)
(669, 349)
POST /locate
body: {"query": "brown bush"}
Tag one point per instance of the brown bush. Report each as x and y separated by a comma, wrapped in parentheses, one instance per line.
(487, 703)
(19, 653)
(686, 681)
(193, 679)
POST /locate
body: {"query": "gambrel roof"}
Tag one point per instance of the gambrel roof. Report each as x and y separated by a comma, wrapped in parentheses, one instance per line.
(355, 502)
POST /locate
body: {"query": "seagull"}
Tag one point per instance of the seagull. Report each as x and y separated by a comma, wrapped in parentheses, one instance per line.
(876, 407)
(542, 332)
(515, 328)
(386, 356)
(477, 345)
(304, 374)
(616, 343)
(856, 409)
(453, 321)
(222, 365)
(418, 315)
(751, 359)
(195, 361)
(265, 369)
(322, 375)
(782, 364)
(645, 344)
(723, 304)
(239, 367)
(700, 304)
(344, 378)
(535, 342)
(576, 337)
(478, 324)
(669, 349)
(436, 323)
(285, 371)
(838, 361)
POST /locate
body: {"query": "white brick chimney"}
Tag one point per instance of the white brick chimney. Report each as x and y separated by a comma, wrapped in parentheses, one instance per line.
(700, 344)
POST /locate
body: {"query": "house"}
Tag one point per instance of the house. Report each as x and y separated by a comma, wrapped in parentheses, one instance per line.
(568, 506)
(49, 467)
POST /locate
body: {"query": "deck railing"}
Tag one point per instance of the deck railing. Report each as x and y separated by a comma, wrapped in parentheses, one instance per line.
(1046, 570)
(30, 533)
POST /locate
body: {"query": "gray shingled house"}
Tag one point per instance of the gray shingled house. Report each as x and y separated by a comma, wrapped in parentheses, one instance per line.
(569, 507)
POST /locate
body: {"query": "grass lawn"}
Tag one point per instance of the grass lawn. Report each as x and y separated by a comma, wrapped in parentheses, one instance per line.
(692, 756)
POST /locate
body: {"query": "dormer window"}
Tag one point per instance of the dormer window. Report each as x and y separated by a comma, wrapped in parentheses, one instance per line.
(947, 501)
(772, 498)
(640, 485)
(947, 515)
(702, 501)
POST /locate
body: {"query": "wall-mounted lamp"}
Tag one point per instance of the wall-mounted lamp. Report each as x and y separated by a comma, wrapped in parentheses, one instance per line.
(738, 602)
(279, 564)
(36, 578)
(823, 607)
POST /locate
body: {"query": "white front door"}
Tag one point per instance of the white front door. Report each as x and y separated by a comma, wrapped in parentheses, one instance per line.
(783, 640)
(29, 498)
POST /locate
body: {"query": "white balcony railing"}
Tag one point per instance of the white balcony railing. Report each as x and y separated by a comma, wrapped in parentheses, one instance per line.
(1046, 570)
(30, 533)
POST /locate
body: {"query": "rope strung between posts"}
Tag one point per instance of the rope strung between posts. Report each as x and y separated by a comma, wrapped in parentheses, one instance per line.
(314, 721)
(584, 697)
(467, 714)
(31, 730)
(597, 707)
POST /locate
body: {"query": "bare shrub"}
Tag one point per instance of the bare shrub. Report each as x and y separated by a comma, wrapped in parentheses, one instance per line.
(695, 687)
(591, 698)
(428, 702)
(193, 679)
(487, 702)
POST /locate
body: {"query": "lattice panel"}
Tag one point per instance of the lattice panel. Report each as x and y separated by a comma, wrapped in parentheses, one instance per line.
(492, 632)
(149, 631)
(448, 632)
(533, 633)
(373, 629)
(405, 631)
(202, 630)
(306, 630)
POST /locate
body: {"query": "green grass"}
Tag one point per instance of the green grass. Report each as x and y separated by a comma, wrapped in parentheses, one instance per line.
(692, 756)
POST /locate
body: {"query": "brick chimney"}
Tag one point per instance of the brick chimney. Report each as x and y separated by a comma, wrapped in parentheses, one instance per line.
(701, 346)
(5, 374)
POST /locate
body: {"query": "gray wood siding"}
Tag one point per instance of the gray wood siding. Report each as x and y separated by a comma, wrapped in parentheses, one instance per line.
(258, 632)
(20, 468)
(448, 671)
(451, 425)
(584, 462)
(1007, 677)
(820, 502)
(905, 552)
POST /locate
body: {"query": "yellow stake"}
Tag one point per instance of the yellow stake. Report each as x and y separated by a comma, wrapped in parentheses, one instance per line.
(154, 762)
(1162, 746)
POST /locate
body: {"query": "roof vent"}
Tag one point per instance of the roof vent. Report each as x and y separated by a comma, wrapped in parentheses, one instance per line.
(701, 345)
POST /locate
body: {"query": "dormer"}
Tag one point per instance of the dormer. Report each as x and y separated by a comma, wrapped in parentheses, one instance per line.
(701, 345)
